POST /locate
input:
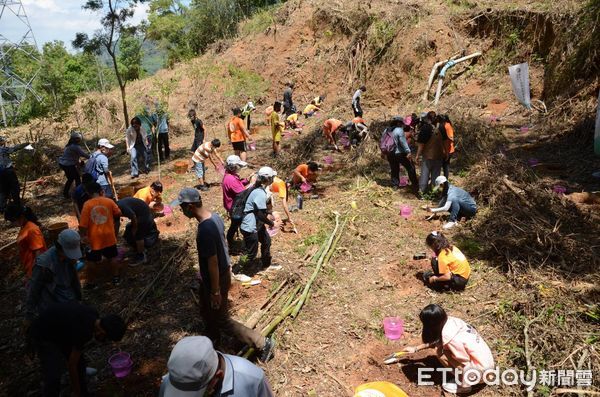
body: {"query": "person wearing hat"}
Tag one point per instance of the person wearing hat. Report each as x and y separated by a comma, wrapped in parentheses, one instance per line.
(247, 111)
(288, 102)
(54, 277)
(9, 183)
(232, 186)
(215, 273)
(97, 166)
(454, 200)
(196, 369)
(69, 161)
(138, 145)
(238, 134)
(256, 217)
(59, 335)
(401, 155)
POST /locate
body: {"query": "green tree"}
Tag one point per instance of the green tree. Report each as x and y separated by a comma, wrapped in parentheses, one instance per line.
(168, 26)
(114, 20)
(130, 57)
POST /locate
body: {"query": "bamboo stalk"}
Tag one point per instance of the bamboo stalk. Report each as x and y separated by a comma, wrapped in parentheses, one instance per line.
(258, 315)
(318, 268)
(291, 296)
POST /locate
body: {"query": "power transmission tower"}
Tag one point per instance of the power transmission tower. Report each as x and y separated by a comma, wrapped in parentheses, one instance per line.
(15, 86)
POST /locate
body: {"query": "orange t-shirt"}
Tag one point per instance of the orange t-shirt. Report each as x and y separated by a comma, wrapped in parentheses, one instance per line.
(98, 216)
(235, 128)
(357, 120)
(449, 143)
(30, 239)
(330, 126)
(278, 186)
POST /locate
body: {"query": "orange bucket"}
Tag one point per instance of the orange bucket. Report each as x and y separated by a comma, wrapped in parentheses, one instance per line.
(127, 191)
(181, 167)
(55, 229)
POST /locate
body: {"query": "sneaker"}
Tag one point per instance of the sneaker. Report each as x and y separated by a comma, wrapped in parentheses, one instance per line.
(453, 388)
(242, 278)
(116, 281)
(266, 353)
(449, 225)
(134, 176)
(139, 259)
(275, 267)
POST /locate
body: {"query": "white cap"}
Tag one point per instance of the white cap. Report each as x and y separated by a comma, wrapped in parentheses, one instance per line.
(439, 180)
(105, 143)
(192, 365)
(235, 160)
(267, 171)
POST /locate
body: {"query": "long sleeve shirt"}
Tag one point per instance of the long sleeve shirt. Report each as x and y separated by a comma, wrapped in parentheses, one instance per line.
(400, 141)
(6, 151)
(71, 155)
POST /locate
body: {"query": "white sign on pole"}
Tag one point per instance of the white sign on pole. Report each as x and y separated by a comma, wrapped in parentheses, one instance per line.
(519, 78)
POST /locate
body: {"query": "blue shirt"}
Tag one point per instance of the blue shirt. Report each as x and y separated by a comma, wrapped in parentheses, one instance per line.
(458, 195)
(5, 152)
(163, 123)
(400, 141)
(71, 155)
(102, 169)
(257, 200)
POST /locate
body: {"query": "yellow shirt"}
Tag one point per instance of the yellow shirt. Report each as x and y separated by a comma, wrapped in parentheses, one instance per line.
(145, 194)
(292, 118)
(454, 261)
(309, 109)
(278, 186)
(276, 127)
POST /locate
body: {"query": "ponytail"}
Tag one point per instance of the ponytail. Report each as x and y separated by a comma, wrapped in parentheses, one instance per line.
(14, 212)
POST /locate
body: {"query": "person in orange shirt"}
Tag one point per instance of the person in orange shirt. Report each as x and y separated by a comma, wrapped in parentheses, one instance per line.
(151, 195)
(280, 188)
(238, 134)
(329, 129)
(450, 267)
(447, 131)
(30, 239)
(97, 226)
(304, 173)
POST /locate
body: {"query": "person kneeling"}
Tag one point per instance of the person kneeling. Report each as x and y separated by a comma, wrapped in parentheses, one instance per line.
(450, 268)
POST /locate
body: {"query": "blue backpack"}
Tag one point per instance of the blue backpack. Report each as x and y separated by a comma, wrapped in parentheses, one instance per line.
(91, 166)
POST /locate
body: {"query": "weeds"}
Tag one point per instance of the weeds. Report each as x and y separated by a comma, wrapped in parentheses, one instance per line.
(259, 22)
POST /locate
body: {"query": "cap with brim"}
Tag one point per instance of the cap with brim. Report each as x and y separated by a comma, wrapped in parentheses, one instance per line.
(70, 242)
(439, 180)
(105, 143)
(267, 171)
(235, 160)
(186, 195)
(192, 365)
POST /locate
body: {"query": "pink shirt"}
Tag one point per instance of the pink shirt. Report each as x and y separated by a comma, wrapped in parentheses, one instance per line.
(232, 186)
(462, 342)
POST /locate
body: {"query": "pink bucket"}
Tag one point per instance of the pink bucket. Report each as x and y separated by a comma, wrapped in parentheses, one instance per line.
(272, 231)
(403, 181)
(328, 160)
(252, 146)
(560, 190)
(306, 187)
(167, 210)
(405, 211)
(524, 129)
(393, 327)
(120, 364)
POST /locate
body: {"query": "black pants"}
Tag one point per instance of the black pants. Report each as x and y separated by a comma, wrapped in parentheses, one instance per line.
(456, 282)
(395, 161)
(9, 188)
(163, 140)
(248, 122)
(446, 165)
(357, 110)
(72, 175)
(233, 228)
(52, 361)
(251, 241)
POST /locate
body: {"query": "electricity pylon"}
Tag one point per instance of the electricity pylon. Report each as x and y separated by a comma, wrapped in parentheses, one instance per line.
(15, 86)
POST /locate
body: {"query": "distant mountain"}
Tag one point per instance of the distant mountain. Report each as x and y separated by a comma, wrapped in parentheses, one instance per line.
(153, 60)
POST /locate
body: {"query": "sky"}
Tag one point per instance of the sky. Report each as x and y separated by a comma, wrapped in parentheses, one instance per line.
(56, 20)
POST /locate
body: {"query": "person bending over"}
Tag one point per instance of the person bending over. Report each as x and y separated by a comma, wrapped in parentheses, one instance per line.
(450, 268)
(454, 200)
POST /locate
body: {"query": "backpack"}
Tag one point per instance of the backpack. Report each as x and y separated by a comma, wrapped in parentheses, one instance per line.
(91, 166)
(386, 143)
(239, 205)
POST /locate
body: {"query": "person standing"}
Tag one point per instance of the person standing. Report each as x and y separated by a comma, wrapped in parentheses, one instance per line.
(215, 272)
(30, 238)
(276, 128)
(247, 111)
(138, 146)
(97, 167)
(59, 335)
(288, 102)
(141, 231)
(232, 186)
(198, 130)
(401, 155)
(447, 131)
(356, 107)
(196, 369)
(256, 217)
(54, 278)
(9, 183)
(238, 134)
(69, 161)
(149, 124)
(162, 131)
(206, 151)
(455, 200)
(431, 146)
(98, 226)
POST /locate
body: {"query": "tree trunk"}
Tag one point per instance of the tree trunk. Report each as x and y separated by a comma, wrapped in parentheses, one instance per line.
(122, 83)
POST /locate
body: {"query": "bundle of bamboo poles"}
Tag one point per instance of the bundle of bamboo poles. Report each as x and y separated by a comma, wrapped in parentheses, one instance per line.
(290, 303)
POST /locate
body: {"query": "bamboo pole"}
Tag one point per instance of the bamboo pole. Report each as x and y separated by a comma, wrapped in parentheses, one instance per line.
(258, 315)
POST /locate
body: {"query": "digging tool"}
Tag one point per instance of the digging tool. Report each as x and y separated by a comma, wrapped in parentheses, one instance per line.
(394, 357)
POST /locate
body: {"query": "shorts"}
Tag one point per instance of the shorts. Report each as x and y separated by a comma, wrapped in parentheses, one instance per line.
(199, 169)
(239, 146)
(108, 253)
(277, 136)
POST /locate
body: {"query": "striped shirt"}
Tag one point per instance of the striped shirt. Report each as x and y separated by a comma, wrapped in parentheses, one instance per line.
(203, 152)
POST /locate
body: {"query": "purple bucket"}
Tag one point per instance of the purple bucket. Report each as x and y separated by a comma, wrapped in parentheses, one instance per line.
(533, 162)
(306, 187)
(120, 364)
(403, 181)
(560, 190)
(328, 160)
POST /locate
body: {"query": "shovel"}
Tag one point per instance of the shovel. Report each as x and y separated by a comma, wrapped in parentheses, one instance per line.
(394, 357)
